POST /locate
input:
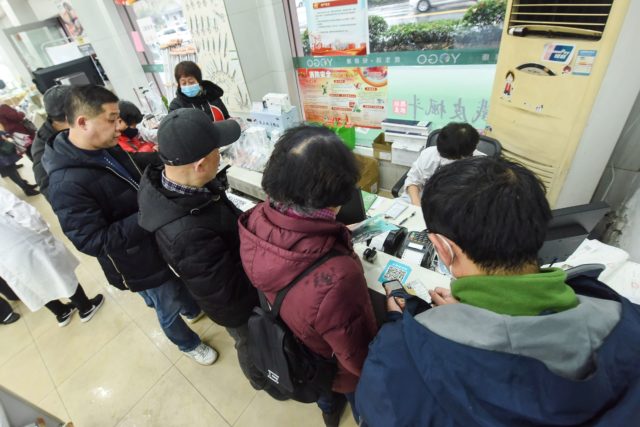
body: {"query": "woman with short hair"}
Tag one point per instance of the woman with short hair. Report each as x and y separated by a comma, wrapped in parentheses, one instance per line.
(193, 92)
(310, 174)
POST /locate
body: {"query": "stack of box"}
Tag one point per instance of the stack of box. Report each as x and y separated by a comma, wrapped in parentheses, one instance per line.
(274, 113)
(407, 138)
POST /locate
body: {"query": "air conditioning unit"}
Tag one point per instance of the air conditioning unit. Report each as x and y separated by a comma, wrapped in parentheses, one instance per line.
(553, 57)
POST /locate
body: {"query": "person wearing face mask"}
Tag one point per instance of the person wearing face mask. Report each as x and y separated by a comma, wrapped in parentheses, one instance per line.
(511, 344)
(193, 92)
(130, 140)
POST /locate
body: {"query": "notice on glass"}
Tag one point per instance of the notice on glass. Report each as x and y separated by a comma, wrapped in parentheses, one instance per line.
(344, 96)
(338, 27)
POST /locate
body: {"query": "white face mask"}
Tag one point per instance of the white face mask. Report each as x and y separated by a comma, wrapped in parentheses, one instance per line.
(442, 267)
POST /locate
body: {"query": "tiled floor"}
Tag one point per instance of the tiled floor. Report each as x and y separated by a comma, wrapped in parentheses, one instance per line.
(120, 369)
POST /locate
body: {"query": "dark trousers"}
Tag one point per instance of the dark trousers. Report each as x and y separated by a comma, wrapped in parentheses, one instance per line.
(11, 172)
(79, 300)
(327, 404)
(7, 291)
(241, 336)
(5, 309)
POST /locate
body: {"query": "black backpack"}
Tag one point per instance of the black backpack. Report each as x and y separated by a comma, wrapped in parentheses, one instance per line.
(285, 361)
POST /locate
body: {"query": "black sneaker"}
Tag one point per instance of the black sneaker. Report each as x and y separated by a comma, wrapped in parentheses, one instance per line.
(31, 192)
(96, 303)
(11, 318)
(332, 419)
(65, 318)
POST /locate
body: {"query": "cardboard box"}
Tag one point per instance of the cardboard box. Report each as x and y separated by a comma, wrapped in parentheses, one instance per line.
(381, 148)
(369, 173)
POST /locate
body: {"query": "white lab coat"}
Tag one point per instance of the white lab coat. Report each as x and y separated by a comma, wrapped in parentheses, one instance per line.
(37, 267)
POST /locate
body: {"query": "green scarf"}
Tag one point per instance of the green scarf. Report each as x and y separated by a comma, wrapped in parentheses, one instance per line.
(524, 295)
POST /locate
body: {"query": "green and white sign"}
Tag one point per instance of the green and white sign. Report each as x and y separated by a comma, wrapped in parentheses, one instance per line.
(440, 94)
(423, 58)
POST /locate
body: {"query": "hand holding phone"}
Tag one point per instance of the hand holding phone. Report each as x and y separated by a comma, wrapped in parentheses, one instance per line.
(396, 295)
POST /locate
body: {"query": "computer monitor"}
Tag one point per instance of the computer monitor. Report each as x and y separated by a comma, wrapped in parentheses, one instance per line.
(78, 72)
(353, 211)
(567, 230)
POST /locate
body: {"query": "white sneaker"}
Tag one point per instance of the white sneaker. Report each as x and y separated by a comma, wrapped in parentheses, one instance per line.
(192, 320)
(203, 354)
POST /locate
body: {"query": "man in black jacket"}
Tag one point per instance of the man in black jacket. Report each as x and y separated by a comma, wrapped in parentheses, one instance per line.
(196, 225)
(93, 189)
(53, 100)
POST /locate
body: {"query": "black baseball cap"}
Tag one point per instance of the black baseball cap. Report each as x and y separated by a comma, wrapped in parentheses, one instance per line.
(188, 134)
(54, 100)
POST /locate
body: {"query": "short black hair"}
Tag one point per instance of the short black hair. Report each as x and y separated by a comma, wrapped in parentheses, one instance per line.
(457, 141)
(186, 69)
(495, 210)
(130, 113)
(86, 100)
(311, 168)
(60, 118)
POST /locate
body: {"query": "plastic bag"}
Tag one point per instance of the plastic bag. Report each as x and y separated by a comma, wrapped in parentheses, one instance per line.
(370, 228)
(251, 151)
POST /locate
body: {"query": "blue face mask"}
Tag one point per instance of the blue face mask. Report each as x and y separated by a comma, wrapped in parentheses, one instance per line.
(444, 270)
(442, 267)
(191, 90)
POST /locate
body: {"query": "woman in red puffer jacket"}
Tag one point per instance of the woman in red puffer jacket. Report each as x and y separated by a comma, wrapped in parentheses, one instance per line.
(309, 176)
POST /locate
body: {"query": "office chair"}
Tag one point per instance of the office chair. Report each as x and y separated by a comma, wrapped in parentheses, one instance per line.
(487, 145)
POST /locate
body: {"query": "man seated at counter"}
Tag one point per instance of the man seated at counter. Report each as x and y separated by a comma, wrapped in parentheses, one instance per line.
(511, 344)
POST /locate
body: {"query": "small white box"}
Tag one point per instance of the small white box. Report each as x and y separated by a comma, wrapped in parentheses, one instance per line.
(406, 138)
(404, 154)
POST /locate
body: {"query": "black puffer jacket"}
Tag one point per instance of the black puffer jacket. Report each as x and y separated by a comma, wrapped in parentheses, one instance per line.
(198, 237)
(98, 211)
(208, 101)
(45, 134)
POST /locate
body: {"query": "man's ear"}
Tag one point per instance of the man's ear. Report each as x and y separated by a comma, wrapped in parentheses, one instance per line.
(443, 252)
(197, 167)
(81, 122)
(446, 252)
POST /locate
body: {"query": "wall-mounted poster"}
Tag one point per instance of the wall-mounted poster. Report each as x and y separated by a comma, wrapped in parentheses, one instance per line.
(338, 27)
(344, 96)
(217, 56)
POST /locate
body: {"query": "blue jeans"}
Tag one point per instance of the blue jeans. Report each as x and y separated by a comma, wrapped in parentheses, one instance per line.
(170, 300)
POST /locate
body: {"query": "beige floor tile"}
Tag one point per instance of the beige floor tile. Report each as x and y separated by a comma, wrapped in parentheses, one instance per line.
(203, 325)
(173, 402)
(39, 321)
(13, 338)
(65, 349)
(130, 302)
(148, 323)
(267, 412)
(104, 390)
(222, 384)
(26, 375)
(52, 403)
